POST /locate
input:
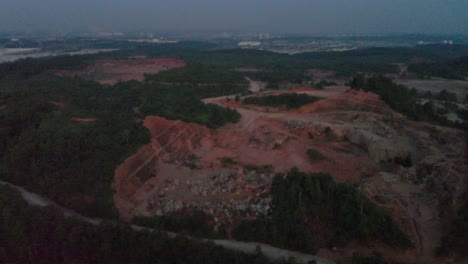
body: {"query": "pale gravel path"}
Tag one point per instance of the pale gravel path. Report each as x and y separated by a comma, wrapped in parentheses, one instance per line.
(270, 252)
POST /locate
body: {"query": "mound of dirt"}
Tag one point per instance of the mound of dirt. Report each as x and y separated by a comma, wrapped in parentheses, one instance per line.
(350, 101)
(110, 72)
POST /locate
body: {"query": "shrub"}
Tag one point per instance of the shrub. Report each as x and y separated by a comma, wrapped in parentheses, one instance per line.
(315, 155)
(289, 100)
(226, 161)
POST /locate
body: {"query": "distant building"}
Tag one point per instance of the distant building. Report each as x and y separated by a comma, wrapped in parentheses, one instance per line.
(154, 40)
(249, 44)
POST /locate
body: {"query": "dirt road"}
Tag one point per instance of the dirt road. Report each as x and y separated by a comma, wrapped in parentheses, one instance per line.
(270, 252)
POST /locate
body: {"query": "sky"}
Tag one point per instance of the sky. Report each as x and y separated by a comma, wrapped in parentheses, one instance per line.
(273, 16)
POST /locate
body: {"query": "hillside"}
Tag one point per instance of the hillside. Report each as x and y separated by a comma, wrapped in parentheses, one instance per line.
(286, 150)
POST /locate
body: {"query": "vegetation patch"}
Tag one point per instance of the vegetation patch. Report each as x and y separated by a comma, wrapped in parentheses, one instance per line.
(323, 83)
(289, 100)
(198, 74)
(404, 100)
(259, 169)
(375, 258)
(455, 239)
(405, 162)
(310, 211)
(196, 223)
(275, 77)
(227, 161)
(315, 155)
(443, 95)
(449, 69)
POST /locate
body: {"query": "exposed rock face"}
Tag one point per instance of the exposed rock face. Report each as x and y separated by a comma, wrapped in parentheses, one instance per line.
(380, 148)
(424, 206)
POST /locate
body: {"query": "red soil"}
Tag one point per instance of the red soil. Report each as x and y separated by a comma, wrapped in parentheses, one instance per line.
(113, 71)
(350, 101)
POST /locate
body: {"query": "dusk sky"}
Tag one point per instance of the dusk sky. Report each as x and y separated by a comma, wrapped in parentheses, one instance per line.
(276, 16)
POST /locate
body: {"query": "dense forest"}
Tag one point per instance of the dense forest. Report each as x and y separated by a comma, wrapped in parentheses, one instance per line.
(310, 211)
(372, 60)
(26, 68)
(345, 63)
(33, 235)
(448, 69)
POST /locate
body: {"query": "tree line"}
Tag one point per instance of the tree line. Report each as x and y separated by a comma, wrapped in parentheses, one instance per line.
(288, 100)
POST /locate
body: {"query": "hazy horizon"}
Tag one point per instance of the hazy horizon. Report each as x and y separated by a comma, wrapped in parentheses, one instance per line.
(274, 16)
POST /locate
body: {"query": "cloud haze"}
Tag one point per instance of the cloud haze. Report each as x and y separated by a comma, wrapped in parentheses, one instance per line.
(279, 16)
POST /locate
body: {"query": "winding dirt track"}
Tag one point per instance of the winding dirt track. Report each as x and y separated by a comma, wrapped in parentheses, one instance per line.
(270, 252)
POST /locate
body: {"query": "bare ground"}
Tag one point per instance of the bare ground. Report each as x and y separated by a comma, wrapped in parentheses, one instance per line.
(110, 72)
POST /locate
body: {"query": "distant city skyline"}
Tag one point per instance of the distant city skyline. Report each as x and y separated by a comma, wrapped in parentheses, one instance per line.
(205, 16)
